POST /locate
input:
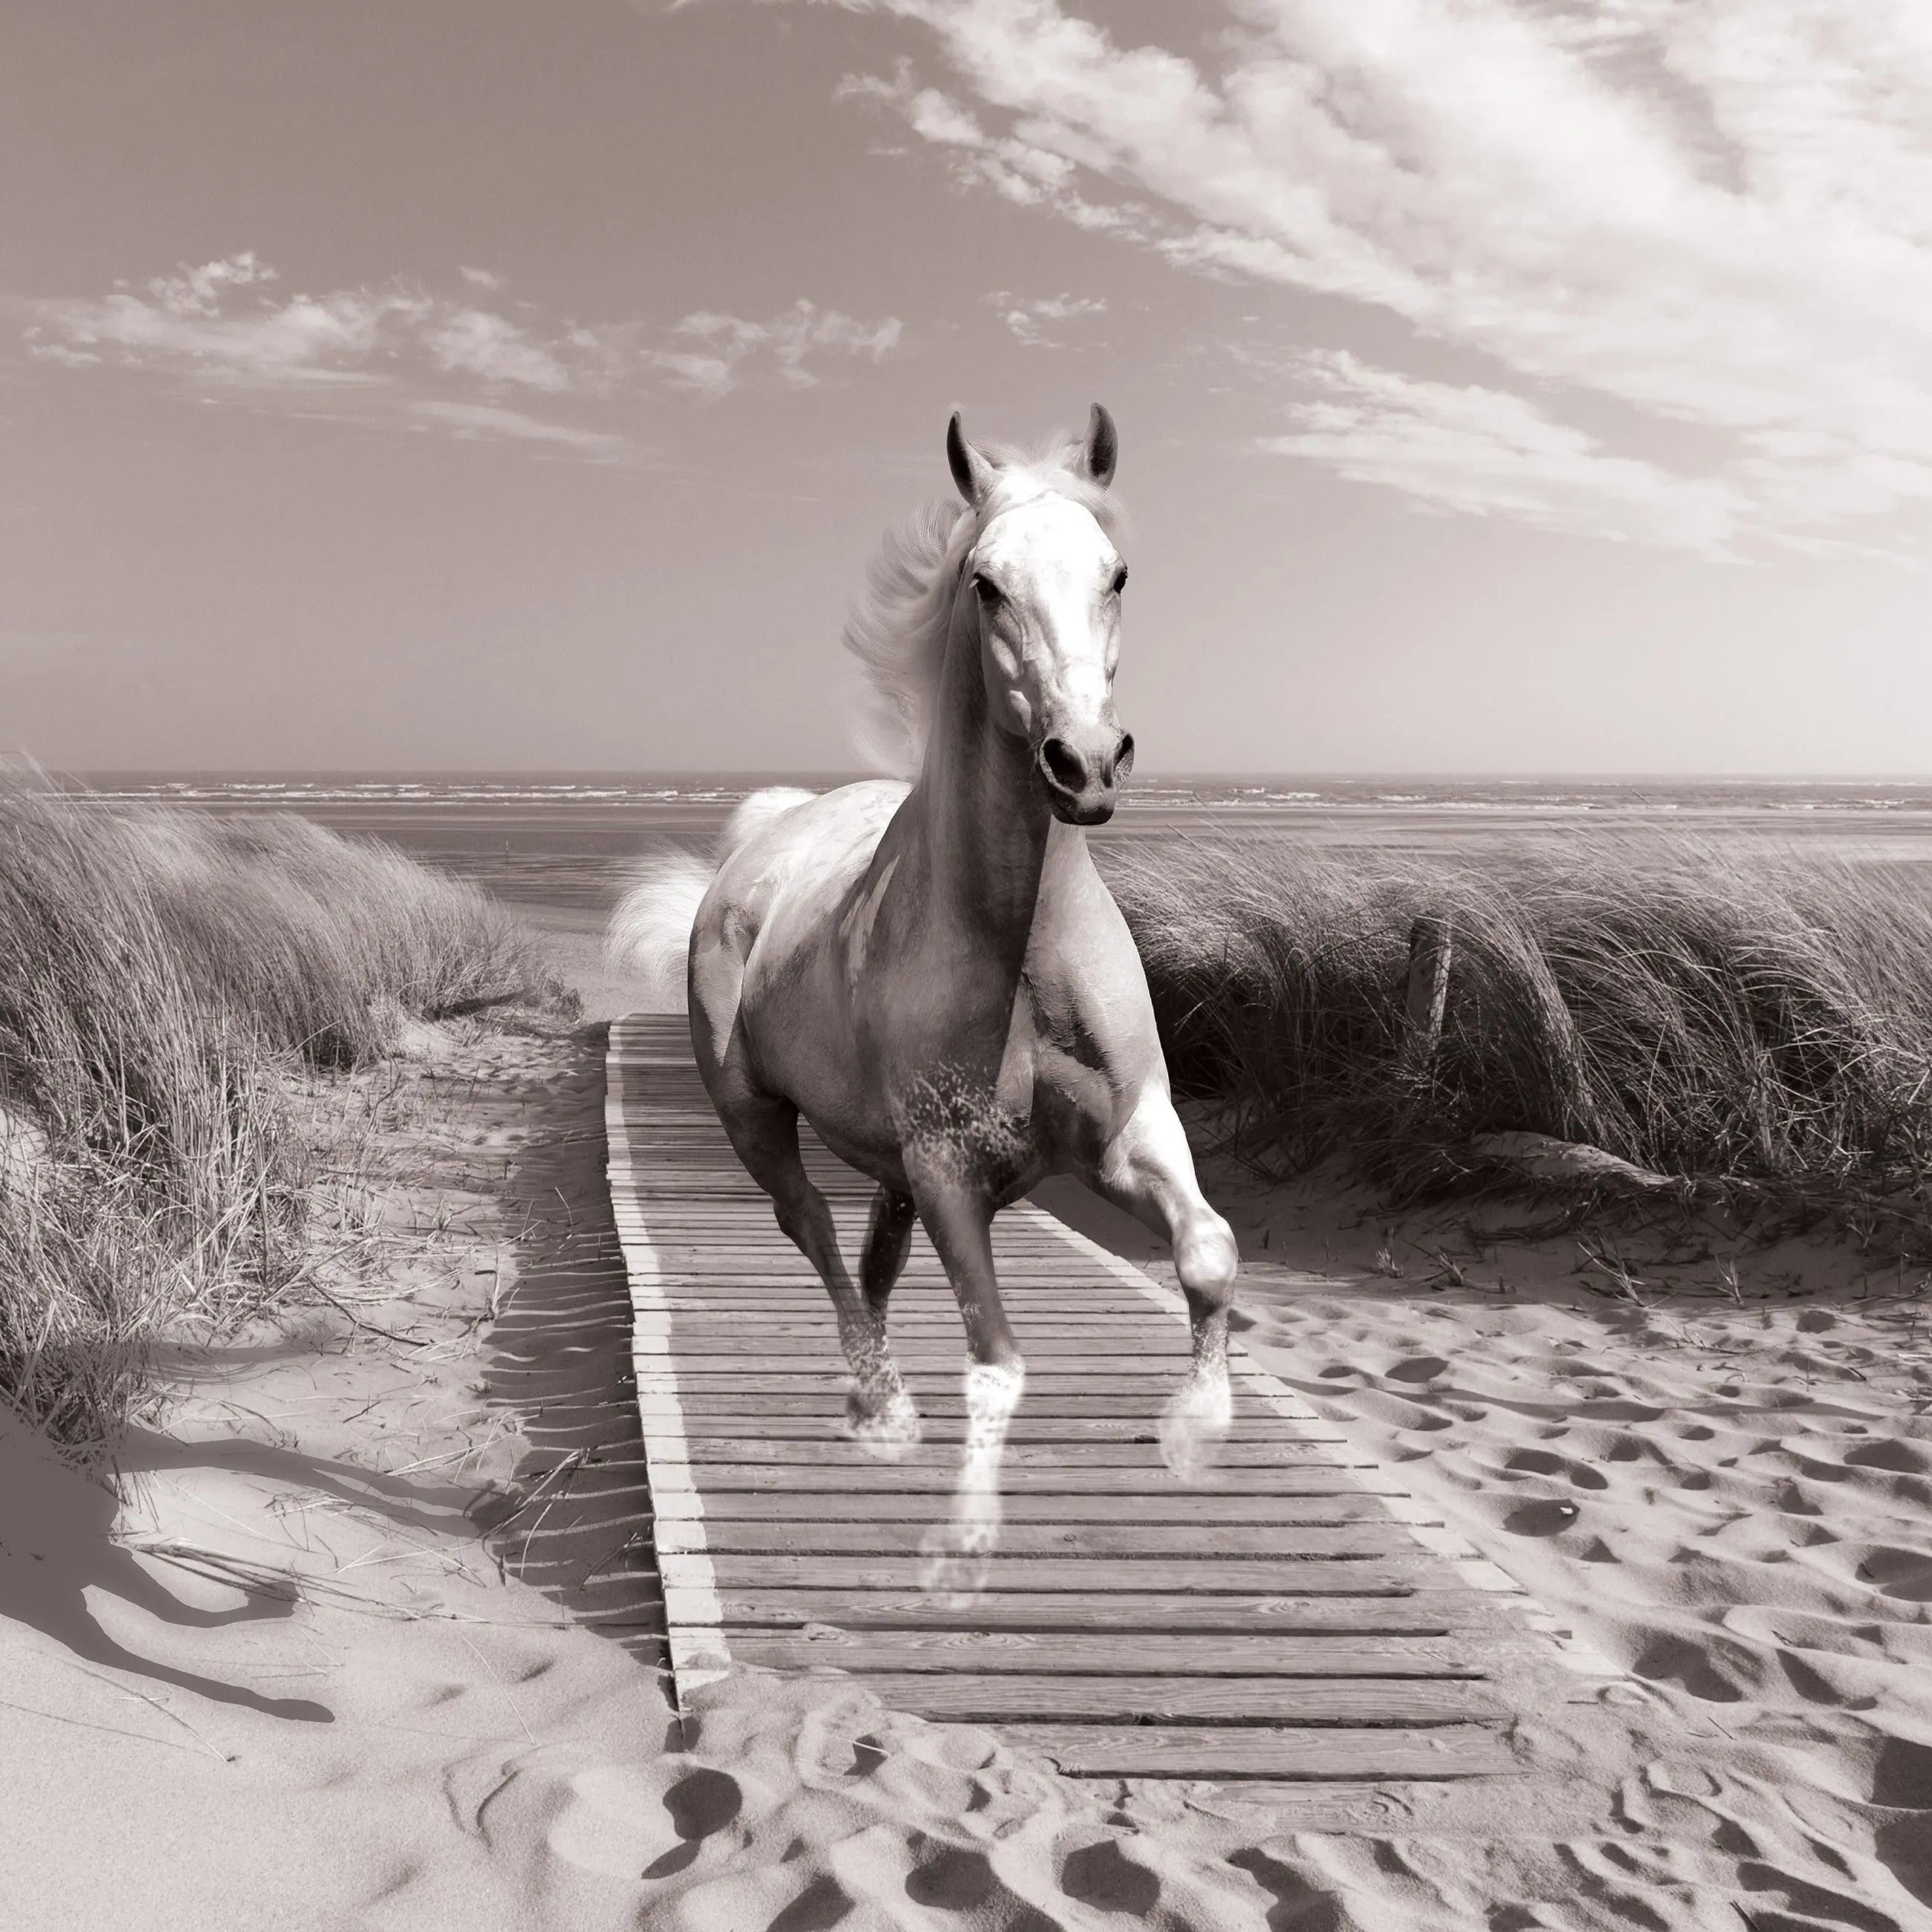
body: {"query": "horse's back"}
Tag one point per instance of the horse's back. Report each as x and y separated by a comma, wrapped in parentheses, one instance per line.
(764, 941)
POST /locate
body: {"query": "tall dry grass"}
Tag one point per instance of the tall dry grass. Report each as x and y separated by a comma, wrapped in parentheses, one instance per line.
(163, 976)
(1723, 1014)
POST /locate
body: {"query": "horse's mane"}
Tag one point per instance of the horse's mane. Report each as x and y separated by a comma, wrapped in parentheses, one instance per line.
(899, 624)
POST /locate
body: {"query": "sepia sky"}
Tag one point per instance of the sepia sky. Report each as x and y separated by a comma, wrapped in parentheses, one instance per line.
(1521, 385)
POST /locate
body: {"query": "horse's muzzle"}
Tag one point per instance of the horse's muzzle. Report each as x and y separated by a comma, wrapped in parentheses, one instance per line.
(1081, 774)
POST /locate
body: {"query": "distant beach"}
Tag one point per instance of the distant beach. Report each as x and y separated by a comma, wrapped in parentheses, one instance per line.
(571, 842)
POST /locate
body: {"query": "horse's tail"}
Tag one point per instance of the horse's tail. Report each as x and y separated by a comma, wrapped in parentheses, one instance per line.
(757, 811)
(649, 935)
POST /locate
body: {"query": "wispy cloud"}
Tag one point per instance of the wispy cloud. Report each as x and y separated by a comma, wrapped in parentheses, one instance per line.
(1715, 212)
(399, 351)
(194, 319)
(472, 420)
(1036, 322)
(1488, 453)
(722, 347)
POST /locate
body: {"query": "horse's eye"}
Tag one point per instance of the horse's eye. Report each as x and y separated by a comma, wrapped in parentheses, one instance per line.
(989, 593)
(1119, 579)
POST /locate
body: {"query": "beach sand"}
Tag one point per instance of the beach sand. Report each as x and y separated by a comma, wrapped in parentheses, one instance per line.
(371, 1641)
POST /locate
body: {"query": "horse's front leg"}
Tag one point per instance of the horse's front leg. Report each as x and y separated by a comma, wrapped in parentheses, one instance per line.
(1149, 1171)
(960, 1221)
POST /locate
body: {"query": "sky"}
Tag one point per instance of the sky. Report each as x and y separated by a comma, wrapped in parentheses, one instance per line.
(1503, 386)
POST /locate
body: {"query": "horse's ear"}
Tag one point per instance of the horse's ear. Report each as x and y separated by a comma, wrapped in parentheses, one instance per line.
(1097, 456)
(972, 471)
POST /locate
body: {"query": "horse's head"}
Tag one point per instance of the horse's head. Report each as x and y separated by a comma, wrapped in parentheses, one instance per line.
(1046, 581)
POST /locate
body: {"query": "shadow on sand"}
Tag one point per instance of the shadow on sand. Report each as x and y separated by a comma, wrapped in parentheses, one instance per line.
(56, 1543)
(576, 1522)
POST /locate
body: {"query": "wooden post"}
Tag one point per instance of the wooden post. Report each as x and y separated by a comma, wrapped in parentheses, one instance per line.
(1430, 947)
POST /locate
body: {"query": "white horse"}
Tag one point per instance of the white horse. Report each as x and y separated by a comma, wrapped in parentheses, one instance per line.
(934, 975)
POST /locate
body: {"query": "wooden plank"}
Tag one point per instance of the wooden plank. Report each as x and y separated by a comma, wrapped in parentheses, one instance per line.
(1178, 1505)
(1283, 1752)
(1063, 1653)
(785, 1468)
(705, 1320)
(945, 1404)
(1228, 1576)
(813, 1367)
(1224, 1702)
(1135, 1613)
(797, 1439)
(725, 1536)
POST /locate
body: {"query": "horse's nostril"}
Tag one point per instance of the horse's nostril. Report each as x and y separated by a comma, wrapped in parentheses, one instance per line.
(1123, 755)
(1064, 765)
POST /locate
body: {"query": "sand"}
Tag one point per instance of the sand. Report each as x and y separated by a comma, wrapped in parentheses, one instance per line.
(1714, 1462)
(370, 1640)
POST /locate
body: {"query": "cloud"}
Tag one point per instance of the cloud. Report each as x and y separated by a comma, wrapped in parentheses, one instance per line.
(224, 323)
(188, 319)
(229, 330)
(1485, 452)
(471, 420)
(1033, 322)
(475, 342)
(726, 344)
(1712, 212)
(1022, 170)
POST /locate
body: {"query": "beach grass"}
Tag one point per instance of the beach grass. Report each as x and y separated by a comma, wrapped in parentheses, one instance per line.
(166, 981)
(1744, 1014)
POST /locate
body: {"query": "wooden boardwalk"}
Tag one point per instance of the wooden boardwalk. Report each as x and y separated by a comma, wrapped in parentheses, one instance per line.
(1299, 1617)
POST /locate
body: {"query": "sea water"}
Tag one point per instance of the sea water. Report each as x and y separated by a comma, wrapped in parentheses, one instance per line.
(575, 839)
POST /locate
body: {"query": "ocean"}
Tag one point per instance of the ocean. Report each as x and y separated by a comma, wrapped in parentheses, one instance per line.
(574, 840)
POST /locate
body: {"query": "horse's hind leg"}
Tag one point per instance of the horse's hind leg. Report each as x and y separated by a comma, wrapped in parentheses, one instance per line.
(1149, 1171)
(879, 1412)
(763, 1128)
(888, 1241)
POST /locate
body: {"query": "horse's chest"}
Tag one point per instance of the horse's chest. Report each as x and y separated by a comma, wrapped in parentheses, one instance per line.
(998, 1105)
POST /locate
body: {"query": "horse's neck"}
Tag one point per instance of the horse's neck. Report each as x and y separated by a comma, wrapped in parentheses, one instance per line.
(987, 829)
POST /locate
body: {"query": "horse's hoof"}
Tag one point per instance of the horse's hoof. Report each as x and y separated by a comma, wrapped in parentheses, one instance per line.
(1193, 1427)
(889, 1430)
(959, 1560)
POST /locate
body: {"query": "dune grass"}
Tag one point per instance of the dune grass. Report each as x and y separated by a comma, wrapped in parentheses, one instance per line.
(1742, 1015)
(165, 978)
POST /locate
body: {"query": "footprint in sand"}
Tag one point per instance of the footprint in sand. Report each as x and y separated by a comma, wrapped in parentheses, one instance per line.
(1549, 1517)
(1670, 1660)
(819, 1907)
(700, 1804)
(1102, 1876)
(1821, 1905)
(1900, 1457)
(1296, 1902)
(1418, 1369)
(1902, 1777)
(1905, 1574)
(1541, 1463)
(953, 1877)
